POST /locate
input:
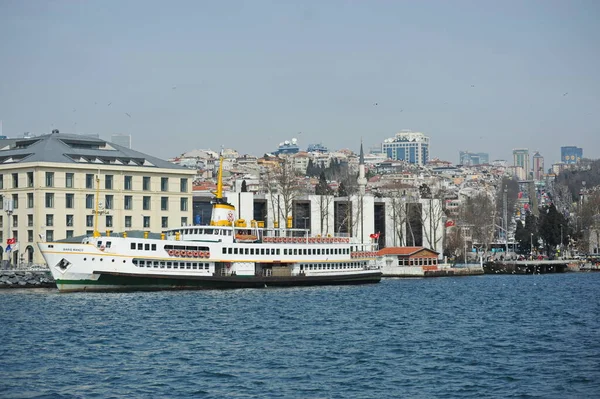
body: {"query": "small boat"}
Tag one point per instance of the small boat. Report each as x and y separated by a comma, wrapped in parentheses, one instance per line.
(228, 253)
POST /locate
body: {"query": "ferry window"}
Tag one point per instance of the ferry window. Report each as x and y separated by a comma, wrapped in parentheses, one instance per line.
(235, 251)
(162, 265)
(285, 251)
(295, 251)
(194, 267)
(188, 264)
(155, 264)
(135, 262)
(169, 265)
(224, 251)
(99, 244)
(251, 251)
(278, 251)
(272, 251)
(206, 266)
(147, 247)
(246, 252)
(154, 247)
(229, 251)
(108, 243)
(140, 246)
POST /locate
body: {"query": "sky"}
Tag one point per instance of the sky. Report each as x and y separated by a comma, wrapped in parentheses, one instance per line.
(481, 75)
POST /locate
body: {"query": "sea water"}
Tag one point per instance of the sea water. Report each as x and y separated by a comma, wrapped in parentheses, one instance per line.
(469, 337)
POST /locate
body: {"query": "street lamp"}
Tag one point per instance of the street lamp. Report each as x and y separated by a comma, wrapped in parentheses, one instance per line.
(531, 244)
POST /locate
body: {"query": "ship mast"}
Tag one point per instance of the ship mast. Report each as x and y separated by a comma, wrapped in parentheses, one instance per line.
(96, 232)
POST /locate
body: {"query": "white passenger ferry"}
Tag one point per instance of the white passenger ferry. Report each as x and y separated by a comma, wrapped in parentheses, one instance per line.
(225, 254)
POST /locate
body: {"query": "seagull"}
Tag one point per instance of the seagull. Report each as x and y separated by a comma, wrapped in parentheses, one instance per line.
(401, 110)
(174, 87)
(127, 114)
(472, 85)
(565, 93)
(73, 109)
(376, 104)
(109, 104)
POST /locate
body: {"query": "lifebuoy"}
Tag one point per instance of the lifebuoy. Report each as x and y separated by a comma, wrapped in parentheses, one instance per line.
(102, 248)
(196, 254)
(207, 254)
(176, 252)
(170, 252)
(190, 254)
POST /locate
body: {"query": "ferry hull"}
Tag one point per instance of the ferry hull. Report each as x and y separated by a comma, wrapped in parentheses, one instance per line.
(115, 281)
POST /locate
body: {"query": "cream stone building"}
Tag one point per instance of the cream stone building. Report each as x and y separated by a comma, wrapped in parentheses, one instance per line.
(51, 186)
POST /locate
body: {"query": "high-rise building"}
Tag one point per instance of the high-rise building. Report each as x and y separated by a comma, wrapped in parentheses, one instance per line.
(538, 166)
(124, 140)
(521, 163)
(470, 158)
(571, 154)
(409, 146)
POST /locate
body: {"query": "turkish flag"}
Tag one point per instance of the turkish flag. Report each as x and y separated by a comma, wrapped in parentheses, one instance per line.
(450, 223)
(374, 236)
(11, 241)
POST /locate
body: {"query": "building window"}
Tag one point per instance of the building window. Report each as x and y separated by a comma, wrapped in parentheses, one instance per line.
(89, 220)
(49, 179)
(164, 203)
(108, 182)
(1, 182)
(89, 232)
(69, 220)
(108, 201)
(184, 204)
(15, 179)
(29, 235)
(146, 183)
(29, 179)
(29, 200)
(30, 220)
(69, 200)
(69, 233)
(164, 222)
(184, 221)
(109, 221)
(49, 200)
(128, 222)
(164, 184)
(89, 201)
(89, 180)
(183, 185)
(1, 222)
(15, 235)
(49, 235)
(15, 221)
(15, 201)
(146, 203)
(50, 220)
(128, 183)
(146, 222)
(128, 203)
(69, 180)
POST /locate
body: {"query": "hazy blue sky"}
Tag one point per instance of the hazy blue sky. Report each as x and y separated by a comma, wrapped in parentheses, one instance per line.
(487, 76)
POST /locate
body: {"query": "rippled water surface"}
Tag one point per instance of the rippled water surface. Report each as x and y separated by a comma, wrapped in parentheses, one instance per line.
(470, 337)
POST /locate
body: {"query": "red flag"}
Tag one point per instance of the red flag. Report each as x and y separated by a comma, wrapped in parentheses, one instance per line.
(374, 236)
(11, 241)
(450, 223)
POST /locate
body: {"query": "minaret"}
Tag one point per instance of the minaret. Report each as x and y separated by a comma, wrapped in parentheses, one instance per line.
(362, 180)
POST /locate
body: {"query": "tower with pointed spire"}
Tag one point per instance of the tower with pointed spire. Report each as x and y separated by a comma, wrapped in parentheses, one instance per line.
(362, 180)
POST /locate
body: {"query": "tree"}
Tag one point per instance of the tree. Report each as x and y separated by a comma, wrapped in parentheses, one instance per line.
(283, 187)
(322, 188)
(342, 190)
(425, 191)
(552, 227)
(244, 186)
(478, 213)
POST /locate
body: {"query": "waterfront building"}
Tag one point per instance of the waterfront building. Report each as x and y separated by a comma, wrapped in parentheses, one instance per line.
(538, 166)
(317, 148)
(124, 140)
(52, 182)
(469, 158)
(521, 160)
(571, 155)
(409, 146)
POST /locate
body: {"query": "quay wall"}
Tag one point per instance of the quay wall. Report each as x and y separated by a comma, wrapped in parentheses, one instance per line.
(26, 279)
(431, 271)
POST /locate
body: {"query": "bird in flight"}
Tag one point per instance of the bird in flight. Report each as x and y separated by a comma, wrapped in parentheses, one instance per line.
(174, 87)
(376, 104)
(565, 93)
(472, 85)
(109, 104)
(127, 114)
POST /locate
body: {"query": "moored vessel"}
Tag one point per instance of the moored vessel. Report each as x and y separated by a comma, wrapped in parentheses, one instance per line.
(228, 253)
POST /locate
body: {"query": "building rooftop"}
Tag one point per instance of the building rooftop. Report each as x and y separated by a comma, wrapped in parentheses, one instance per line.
(73, 148)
